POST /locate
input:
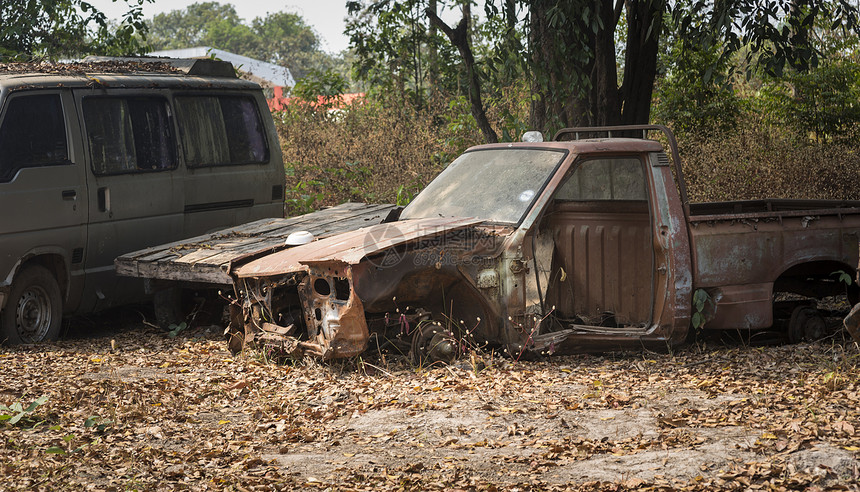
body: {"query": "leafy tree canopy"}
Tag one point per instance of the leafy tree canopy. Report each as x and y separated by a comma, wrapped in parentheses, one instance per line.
(591, 62)
(53, 29)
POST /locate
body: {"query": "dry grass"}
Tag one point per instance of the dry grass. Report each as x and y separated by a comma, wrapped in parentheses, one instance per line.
(757, 162)
(365, 153)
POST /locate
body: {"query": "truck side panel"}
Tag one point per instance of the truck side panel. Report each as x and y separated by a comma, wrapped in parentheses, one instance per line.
(738, 261)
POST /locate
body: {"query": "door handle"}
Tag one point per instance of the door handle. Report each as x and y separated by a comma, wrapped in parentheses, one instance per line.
(70, 194)
(104, 199)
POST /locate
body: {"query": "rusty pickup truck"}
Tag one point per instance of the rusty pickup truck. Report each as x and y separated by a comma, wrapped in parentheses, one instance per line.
(587, 242)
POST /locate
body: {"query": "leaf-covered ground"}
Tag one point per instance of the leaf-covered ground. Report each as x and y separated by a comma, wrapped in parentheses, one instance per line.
(141, 410)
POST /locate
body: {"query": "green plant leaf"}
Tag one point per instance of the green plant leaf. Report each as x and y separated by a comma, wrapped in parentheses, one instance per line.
(56, 450)
(39, 401)
(698, 320)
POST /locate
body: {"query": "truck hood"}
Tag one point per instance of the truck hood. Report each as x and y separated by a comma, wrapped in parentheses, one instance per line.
(350, 247)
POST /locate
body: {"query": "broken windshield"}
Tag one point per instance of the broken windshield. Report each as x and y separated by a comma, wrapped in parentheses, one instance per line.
(497, 185)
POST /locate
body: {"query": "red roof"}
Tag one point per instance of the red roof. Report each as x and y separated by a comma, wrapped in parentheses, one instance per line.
(279, 102)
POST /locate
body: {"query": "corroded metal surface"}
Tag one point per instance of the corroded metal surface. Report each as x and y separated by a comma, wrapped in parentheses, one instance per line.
(351, 247)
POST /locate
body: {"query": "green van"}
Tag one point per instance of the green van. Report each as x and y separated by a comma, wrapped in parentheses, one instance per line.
(106, 157)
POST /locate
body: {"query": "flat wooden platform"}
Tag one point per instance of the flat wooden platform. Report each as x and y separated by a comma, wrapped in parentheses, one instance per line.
(208, 258)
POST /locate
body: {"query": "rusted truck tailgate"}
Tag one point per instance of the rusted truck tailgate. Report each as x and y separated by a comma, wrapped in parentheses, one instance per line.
(207, 259)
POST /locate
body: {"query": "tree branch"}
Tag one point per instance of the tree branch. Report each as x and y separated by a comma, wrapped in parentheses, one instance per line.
(619, 5)
(459, 38)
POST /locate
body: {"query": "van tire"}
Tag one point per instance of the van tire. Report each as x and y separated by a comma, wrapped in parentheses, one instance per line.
(34, 310)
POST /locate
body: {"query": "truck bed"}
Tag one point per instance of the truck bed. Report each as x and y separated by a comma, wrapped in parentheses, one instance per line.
(746, 209)
(207, 259)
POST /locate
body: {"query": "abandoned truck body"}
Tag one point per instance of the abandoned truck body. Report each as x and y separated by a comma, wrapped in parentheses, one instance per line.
(569, 245)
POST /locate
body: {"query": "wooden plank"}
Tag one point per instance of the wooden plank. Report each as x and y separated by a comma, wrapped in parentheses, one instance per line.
(197, 256)
(174, 272)
(333, 219)
(225, 256)
(157, 255)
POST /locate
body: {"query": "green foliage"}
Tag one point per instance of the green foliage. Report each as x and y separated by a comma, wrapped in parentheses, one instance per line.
(696, 97)
(366, 151)
(174, 330)
(328, 84)
(773, 36)
(14, 413)
(758, 161)
(842, 277)
(701, 299)
(404, 196)
(95, 423)
(822, 104)
(53, 29)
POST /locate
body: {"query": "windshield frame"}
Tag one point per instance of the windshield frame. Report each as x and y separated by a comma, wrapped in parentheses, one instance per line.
(564, 154)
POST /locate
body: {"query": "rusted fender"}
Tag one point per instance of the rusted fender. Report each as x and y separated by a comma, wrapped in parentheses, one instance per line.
(852, 323)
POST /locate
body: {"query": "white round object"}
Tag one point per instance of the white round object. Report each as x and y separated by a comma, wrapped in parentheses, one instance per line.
(532, 136)
(299, 237)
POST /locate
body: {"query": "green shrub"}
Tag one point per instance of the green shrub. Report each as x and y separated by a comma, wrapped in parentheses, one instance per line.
(822, 104)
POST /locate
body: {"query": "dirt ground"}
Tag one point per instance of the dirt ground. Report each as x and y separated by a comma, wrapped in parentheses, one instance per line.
(140, 410)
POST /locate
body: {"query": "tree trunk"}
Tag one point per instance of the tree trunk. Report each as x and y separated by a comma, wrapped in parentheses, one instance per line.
(605, 104)
(537, 44)
(459, 37)
(644, 23)
(432, 52)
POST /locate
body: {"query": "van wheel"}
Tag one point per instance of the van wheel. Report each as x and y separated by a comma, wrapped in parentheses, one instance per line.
(34, 310)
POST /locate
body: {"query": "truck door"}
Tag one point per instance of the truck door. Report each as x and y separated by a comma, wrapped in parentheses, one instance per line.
(135, 190)
(602, 269)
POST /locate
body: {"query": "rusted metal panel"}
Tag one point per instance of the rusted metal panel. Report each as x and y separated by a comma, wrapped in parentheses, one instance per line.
(743, 307)
(351, 247)
(606, 252)
(334, 315)
(729, 252)
(852, 323)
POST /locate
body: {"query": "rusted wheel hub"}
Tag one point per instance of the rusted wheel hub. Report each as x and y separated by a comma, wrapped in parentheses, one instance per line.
(806, 324)
(431, 342)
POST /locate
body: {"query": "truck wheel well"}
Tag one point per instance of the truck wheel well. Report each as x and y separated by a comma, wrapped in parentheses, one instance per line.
(815, 279)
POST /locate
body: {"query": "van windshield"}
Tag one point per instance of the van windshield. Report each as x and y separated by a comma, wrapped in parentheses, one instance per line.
(496, 185)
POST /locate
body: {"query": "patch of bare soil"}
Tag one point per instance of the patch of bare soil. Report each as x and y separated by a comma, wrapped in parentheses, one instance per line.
(142, 410)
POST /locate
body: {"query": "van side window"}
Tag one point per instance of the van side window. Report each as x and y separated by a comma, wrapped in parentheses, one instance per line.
(33, 134)
(129, 134)
(221, 130)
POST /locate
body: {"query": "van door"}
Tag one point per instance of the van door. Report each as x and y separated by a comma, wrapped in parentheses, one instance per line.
(135, 189)
(234, 172)
(43, 194)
